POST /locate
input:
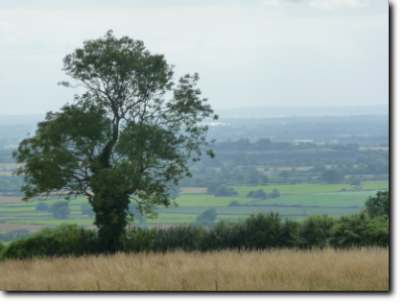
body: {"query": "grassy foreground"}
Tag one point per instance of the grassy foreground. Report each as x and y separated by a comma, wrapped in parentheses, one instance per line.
(365, 269)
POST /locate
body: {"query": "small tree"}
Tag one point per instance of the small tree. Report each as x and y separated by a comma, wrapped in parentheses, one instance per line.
(60, 209)
(274, 194)
(122, 139)
(41, 206)
(207, 218)
(332, 176)
(355, 182)
(260, 194)
(224, 191)
(379, 205)
(234, 203)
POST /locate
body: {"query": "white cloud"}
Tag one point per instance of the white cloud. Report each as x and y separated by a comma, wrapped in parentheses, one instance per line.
(331, 4)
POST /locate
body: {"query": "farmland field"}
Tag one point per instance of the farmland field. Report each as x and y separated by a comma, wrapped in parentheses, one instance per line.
(295, 188)
(296, 202)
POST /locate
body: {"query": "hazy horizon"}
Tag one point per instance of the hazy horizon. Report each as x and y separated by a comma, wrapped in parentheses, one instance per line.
(291, 53)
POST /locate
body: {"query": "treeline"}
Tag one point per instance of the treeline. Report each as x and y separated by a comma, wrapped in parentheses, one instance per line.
(255, 233)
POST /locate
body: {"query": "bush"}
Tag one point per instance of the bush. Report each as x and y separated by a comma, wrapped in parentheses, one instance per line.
(379, 205)
(2, 247)
(207, 218)
(274, 194)
(315, 231)
(257, 194)
(234, 203)
(41, 207)
(223, 235)
(181, 237)
(360, 230)
(223, 191)
(138, 240)
(63, 240)
(60, 209)
(332, 176)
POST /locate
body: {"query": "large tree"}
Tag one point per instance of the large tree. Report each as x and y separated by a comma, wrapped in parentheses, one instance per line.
(123, 139)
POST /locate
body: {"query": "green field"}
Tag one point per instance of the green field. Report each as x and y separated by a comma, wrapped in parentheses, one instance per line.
(294, 188)
(328, 199)
(337, 199)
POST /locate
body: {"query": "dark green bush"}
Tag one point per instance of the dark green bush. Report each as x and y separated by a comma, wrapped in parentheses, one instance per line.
(378, 205)
(360, 230)
(2, 247)
(314, 231)
(207, 218)
(223, 191)
(268, 231)
(223, 235)
(139, 240)
(180, 237)
(63, 240)
(234, 203)
(274, 194)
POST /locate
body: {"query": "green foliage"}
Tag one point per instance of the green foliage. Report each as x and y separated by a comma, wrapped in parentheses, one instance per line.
(41, 206)
(223, 191)
(274, 194)
(355, 181)
(379, 205)
(258, 231)
(359, 230)
(234, 203)
(315, 231)
(332, 176)
(120, 139)
(61, 241)
(207, 218)
(2, 247)
(182, 237)
(138, 240)
(60, 209)
(257, 194)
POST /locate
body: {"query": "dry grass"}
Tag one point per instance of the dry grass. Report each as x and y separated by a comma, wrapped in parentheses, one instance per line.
(276, 270)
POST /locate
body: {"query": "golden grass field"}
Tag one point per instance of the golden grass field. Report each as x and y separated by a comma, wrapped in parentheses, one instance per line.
(365, 269)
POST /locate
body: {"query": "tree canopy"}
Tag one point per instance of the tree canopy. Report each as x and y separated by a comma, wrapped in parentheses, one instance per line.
(122, 140)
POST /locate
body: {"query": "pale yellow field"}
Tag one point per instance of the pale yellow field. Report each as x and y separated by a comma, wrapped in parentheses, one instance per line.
(10, 199)
(191, 190)
(274, 270)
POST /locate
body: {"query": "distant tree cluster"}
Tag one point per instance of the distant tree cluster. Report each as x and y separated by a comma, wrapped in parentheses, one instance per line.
(261, 194)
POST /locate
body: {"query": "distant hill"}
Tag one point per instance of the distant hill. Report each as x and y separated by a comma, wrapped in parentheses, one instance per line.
(268, 112)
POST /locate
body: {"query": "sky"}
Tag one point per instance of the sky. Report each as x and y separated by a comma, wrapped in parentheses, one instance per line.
(287, 53)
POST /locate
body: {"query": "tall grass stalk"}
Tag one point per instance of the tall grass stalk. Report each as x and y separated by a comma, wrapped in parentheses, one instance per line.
(364, 269)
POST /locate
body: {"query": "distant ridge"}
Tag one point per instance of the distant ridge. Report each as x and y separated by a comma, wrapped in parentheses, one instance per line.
(268, 112)
(244, 112)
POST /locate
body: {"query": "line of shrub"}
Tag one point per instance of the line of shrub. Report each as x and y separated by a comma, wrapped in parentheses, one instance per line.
(256, 232)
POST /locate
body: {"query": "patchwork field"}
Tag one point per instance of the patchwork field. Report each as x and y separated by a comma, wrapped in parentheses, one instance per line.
(296, 202)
